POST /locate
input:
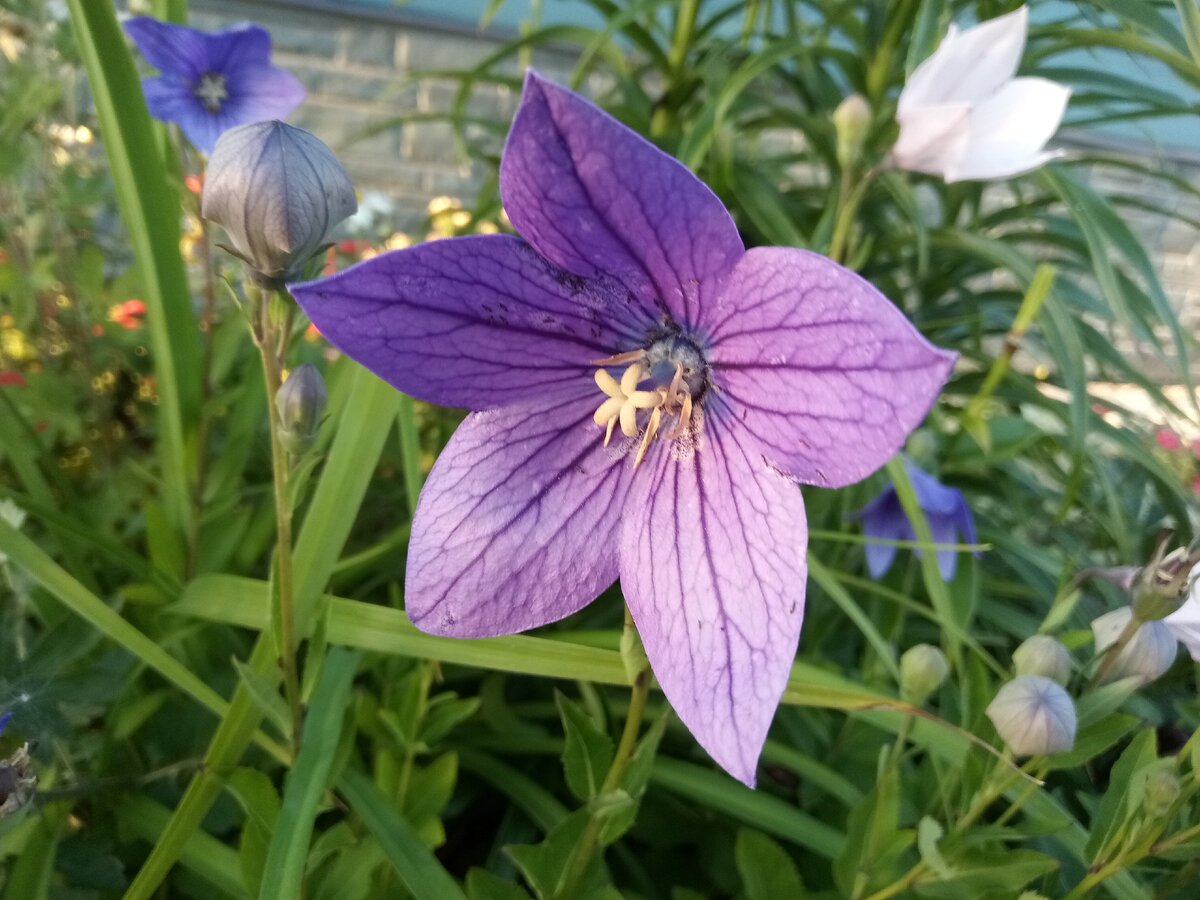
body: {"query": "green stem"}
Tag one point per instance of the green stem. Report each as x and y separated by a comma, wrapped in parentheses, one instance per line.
(685, 26)
(273, 351)
(616, 772)
(849, 200)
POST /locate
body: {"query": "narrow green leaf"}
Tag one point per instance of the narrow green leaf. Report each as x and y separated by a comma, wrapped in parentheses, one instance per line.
(766, 869)
(151, 212)
(417, 868)
(283, 874)
(1189, 14)
(587, 752)
(265, 694)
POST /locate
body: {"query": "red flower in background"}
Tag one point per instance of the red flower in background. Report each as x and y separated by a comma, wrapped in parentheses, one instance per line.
(1168, 439)
(128, 314)
(12, 379)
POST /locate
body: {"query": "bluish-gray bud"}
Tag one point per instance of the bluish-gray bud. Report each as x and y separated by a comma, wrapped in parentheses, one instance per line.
(1043, 655)
(301, 404)
(279, 192)
(1034, 716)
(1145, 656)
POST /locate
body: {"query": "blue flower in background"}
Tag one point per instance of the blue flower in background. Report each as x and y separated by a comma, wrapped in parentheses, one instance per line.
(5, 720)
(211, 82)
(944, 507)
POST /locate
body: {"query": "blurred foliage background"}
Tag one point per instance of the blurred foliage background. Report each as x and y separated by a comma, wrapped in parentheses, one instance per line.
(133, 439)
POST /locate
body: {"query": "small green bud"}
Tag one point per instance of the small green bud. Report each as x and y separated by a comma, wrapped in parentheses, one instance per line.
(301, 404)
(851, 120)
(1146, 655)
(1034, 716)
(1162, 790)
(1043, 655)
(923, 668)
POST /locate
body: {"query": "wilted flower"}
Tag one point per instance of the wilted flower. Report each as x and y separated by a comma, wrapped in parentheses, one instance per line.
(1033, 716)
(964, 116)
(945, 509)
(732, 375)
(1043, 655)
(211, 82)
(17, 782)
(301, 404)
(923, 668)
(1161, 586)
(1145, 656)
(279, 192)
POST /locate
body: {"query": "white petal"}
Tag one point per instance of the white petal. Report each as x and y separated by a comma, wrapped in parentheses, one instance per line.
(1185, 625)
(1008, 132)
(969, 66)
(932, 138)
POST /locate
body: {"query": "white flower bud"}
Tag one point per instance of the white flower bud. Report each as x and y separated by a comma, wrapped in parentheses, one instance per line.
(850, 120)
(1147, 655)
(1043, 655)
(1034, 716)
(301, 404)
(279, 192)
(923, 668)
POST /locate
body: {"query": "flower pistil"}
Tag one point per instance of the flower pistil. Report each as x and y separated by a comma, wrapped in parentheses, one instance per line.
(212, 91)
(625, 399)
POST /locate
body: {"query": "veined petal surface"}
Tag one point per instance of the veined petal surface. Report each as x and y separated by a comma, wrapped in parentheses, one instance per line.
(713, 569)
(474, 322)
(819, 367)
(170, 47)
(517, 525)
(596, 198)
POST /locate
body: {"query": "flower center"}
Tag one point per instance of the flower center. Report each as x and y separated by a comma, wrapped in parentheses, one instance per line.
(212, 91)
(677, 377)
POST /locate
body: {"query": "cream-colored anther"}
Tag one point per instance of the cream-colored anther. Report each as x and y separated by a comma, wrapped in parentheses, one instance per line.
(624, 401)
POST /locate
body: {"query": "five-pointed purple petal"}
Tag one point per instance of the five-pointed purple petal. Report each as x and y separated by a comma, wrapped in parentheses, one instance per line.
(209, 83)
(799, 369)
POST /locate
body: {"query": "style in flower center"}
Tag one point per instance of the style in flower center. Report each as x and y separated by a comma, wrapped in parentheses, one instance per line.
(678, 377)
(212, 91)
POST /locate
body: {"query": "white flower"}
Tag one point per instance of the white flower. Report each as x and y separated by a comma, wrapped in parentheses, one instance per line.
(1185, 621)
(964, 116)
(1034, 715)
(1147, 655)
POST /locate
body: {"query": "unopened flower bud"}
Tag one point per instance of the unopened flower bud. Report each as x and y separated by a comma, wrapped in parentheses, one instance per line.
(17, 782)
(1034, 716)
(278, 192)
(850, 120)
(1162, 790)
(301, 404)
(1043, 655)
(923, 668)
(1145, 656)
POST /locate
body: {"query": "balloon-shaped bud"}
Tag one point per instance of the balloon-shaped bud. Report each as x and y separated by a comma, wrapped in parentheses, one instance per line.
(851, 120)
(279, 192)
(1034, 716)
(301, 404)
(923, 668)
(1145, 656)
(1043, 655)
(1162, 790)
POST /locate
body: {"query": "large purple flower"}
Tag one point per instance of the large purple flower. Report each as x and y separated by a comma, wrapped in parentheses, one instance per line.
(647, 394)
(212, 82)
(945, 509)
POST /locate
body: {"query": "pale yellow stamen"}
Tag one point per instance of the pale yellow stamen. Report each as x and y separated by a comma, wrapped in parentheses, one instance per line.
(624, 400)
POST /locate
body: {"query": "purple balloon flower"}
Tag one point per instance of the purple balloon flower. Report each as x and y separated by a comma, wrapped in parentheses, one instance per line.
(632, 306)
(212, 82)
(945, 509)
(5, 721)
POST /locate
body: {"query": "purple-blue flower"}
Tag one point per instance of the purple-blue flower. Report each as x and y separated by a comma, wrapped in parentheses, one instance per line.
(5, 721)
(211, 82)
(945, 509)
(646, 395)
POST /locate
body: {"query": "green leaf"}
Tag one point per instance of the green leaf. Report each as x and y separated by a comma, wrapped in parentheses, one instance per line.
(151, 212)
(588, 751)
(417, 867)
(547, 864)
(1001, 873)
(264, 691)
(874, 839)
(483, 885)
(256, 794)
(284, 870)
(633, 783)
(1109, 818)
(929, 833)
(766, 869)
(1189, 14)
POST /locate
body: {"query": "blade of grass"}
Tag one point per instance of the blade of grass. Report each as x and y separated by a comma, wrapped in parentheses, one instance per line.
(417, 867)
(151, 213)
(283, 873)
(362, 428)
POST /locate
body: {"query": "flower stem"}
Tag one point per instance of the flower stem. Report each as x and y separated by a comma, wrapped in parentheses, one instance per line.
(586, 848)
(849, 200)
(273, 350)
